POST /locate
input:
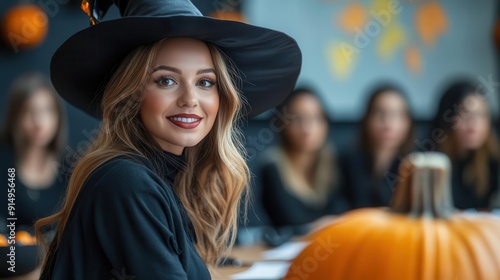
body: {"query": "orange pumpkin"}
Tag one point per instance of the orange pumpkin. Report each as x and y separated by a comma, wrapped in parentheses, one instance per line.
(420, 236)
(3, 241)
(25, 238)
(24, 26)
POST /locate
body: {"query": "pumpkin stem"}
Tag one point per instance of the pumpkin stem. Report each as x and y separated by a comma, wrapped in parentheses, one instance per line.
(424, 186)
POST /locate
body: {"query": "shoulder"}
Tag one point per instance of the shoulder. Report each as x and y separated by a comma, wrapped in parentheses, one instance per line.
(126, 174)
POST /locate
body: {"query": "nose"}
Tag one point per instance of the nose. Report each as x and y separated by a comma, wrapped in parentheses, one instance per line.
(306, 127)
(36, 118)
(188, 97)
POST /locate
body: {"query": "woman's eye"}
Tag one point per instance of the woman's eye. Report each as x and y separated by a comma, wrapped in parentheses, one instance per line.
(206, 83)
(165, 81)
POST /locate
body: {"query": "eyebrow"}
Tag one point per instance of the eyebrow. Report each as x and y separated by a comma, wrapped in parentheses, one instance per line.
(178, 71)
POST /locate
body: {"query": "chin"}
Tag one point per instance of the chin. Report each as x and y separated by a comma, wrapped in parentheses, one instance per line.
(472, 144)
(40, 143)
(189, 143)
(473, 147)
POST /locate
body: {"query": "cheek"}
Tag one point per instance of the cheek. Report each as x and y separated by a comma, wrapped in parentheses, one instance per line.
(320, 132)
(51, 124)
(482, 130)
(210, 105)
(401, 127)
(374, 127)
(153, 105)
(26, 124)
(458, 125)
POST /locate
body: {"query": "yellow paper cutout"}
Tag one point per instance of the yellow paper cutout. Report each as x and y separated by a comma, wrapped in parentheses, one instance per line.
(380, 5)
(413, 59)
(392, 38)
(430, 22)
(342, 58)
(352, 17)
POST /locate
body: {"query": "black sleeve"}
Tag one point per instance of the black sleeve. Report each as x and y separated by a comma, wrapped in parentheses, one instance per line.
(133, 225)
(271, 201)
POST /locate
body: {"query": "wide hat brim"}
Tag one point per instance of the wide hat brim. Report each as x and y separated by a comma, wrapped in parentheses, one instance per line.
(269, 61)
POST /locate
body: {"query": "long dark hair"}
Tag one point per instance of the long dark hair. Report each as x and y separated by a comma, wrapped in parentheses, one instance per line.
(21, 90)
(365, 141)
(476, 172)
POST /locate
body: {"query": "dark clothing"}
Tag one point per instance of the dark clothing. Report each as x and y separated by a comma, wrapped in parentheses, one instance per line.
(285, 208)
(126, 223)
(464, 195)
(30, 204)
(360, 187)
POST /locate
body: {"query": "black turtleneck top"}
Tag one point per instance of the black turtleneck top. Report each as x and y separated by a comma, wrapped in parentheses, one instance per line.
(127, 223)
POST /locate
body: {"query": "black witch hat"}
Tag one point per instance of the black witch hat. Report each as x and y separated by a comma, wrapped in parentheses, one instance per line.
(269, 61)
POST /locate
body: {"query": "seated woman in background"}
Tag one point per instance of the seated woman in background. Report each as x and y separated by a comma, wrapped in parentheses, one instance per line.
(387, 134)
(468, 138)
(299, 178)
(33, 139)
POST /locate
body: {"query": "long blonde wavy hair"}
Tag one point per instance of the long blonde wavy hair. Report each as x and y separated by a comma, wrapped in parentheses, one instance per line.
(216, 174)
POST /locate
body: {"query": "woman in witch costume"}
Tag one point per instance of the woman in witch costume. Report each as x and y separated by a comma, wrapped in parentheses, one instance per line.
(156, 195)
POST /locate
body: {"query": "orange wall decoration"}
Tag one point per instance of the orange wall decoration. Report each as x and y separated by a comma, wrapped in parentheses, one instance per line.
(413, 59)
(430, 22)
(24, 26)
(353, 17)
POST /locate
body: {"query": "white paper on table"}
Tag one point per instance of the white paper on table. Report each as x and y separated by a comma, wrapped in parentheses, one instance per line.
(264, 270)
(496, 212)
(285, 252)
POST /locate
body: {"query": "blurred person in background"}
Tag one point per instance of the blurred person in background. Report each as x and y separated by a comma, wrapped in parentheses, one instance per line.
(299, 177)
(33, 139)
(386, 135)
(469, 139)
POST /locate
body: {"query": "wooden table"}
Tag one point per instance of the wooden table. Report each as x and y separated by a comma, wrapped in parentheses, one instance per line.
(253, 253)
(247, 254)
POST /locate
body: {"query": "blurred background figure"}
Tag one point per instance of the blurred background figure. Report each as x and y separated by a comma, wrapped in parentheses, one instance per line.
(299, 177)
(386, 135)
(33, 139)
(469, 139)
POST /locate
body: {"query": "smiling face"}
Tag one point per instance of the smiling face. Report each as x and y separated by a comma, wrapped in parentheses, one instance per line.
(181, 99)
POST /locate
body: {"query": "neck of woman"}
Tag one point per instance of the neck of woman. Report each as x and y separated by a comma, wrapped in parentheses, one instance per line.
(463, 153)
(37, 167)
(302, 162)
(382, 160)
(34, 156)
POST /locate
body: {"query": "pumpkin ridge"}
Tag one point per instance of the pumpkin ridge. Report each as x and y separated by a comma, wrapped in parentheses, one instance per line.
(464, 238)
(483, 239)
(362, 237)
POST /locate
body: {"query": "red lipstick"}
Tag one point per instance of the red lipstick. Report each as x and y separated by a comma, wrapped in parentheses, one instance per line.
(186, 121)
